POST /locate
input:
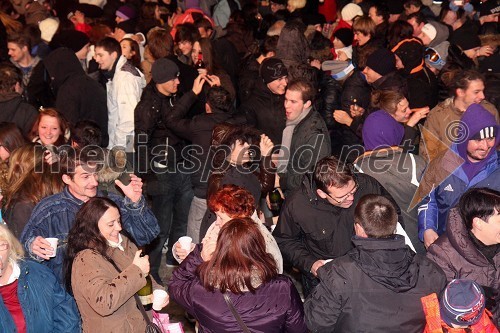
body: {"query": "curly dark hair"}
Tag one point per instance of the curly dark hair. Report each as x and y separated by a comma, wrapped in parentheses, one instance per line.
(85, 234)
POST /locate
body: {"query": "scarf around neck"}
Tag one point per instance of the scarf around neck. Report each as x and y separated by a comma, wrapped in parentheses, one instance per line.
(286, 140)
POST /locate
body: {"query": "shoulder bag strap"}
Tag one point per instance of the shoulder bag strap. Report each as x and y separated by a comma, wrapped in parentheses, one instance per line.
(137, 300)
(235, 314)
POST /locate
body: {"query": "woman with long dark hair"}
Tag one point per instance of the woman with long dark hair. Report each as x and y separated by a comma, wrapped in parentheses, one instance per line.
(105, 296)
(239, 274)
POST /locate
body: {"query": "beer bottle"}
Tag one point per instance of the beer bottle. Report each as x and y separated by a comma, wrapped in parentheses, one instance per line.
(276, 201)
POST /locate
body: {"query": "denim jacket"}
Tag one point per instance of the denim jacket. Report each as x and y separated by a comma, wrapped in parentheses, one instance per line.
(46, 306)
(54, 216)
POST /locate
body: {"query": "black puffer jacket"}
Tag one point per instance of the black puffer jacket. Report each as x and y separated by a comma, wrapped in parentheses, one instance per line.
(310, 228)
(459, 258)
(376, 287)
(15, 110)
(266, 112)
(78, 97)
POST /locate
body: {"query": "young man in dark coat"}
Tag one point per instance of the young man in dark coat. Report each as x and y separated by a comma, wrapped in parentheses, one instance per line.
(159, 151)
(78, 96)
(264, 108)
(316, 220)
(14, 108)
(305, 138)
(376, 286)
(198, 130)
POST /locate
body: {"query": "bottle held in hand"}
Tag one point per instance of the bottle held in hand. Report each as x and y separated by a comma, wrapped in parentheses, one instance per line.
(146, 294)
(200, 64)
(275, 202)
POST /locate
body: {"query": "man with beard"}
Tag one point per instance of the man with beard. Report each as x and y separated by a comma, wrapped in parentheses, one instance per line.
(472, 161)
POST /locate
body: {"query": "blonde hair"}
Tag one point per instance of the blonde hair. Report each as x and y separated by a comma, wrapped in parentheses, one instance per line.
(16, 251)
(28, 178)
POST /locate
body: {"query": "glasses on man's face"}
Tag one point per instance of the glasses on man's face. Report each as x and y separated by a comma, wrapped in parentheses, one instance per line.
(4, 246)
(344, 197)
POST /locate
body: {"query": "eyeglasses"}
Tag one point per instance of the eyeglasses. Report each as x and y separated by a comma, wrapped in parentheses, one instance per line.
(4, 246)
(344, 197)
(433, 56)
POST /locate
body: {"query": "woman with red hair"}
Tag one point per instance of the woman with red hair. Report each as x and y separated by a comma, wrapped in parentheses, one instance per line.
(236, 287)
(232, 202)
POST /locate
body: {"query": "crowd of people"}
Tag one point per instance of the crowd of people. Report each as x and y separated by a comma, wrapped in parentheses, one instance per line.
(374, 124)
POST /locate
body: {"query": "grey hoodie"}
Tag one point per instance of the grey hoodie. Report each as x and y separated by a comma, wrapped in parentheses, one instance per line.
(442, 33)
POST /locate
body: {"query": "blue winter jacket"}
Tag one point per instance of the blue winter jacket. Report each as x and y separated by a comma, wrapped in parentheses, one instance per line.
(433, 211)
(55, 215)
(47, 307)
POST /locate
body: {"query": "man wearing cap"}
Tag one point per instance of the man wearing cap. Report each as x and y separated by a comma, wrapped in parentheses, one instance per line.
(470, 247)
(376, 286)
(380, 72)
(433, 33)
(159, 154)
(439, 132)
(265, 108)
(472, 161)
(124, 84)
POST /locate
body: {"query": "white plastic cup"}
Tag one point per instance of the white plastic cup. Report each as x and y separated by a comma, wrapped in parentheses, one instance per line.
(185, 242)
(53, 244)
(159, 297)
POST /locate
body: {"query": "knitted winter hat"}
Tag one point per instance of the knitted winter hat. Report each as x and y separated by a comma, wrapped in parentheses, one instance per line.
(411, 53)
(462, 303)
(272, 69)
(429, 30)
(128, 26)
(345, 36)
(164, 70)
(48, 28)
(126, 12)
(350, 11)
(382, 61)
(338, 69)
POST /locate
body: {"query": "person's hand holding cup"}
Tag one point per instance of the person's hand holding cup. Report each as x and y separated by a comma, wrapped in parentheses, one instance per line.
(44, 248)
(185, 242)
(160, 299)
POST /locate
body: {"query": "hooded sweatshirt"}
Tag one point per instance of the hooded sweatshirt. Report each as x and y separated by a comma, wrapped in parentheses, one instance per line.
(475, 119)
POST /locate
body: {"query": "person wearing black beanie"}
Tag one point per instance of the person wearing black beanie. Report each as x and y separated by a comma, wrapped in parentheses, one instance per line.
(379, 63)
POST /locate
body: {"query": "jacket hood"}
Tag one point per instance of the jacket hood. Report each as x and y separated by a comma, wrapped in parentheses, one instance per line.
(386, 261)
(442, 33)
(61, 64)
(460, 240)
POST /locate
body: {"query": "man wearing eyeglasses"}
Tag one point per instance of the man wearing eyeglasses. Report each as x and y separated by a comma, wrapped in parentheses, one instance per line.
(317, 220)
